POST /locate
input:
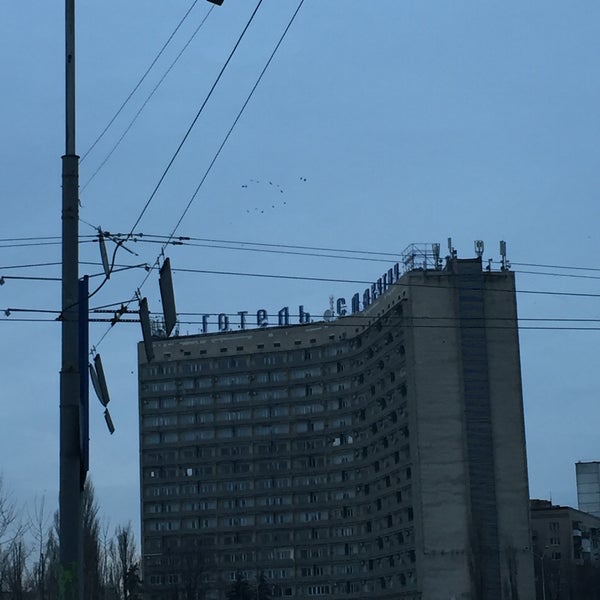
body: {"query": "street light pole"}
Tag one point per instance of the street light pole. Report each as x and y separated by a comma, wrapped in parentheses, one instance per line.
(541, 557)
(543, 575)
(70, 528)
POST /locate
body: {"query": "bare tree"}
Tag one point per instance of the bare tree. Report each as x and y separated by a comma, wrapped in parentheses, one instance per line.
(194, 568)
(11, 543)
(8, 514)
(263, 589)
(51, 579)
(92, 589)
(107, 571)
(240, 589)
(38, 525)
(124, 559)
(15, 569)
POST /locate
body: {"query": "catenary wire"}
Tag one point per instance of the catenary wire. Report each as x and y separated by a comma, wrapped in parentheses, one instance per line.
(31, 265)
(367, 282)
(194, 121)
(148, 98)
(106, 308)
(217, 154)
(181, 240)
(32, 244)
(273, 245)
(412, 326)
(520, 264)
(460, 323)
(29, 278)
(141, 80)
(227, 136)
(237, 118)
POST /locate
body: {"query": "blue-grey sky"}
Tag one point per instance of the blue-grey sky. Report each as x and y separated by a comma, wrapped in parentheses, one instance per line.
(377, 125)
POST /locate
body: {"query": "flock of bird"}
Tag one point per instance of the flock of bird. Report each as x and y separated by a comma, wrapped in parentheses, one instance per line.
(276, 188)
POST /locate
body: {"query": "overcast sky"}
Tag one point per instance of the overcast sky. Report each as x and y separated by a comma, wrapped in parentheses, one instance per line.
(378, 124)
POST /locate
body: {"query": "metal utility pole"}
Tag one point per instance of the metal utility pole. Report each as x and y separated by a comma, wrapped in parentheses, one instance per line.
(70, 531)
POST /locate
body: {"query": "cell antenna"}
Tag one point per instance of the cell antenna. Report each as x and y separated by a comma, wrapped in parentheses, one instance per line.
(505, 263)
(436, 255)
(451, 249)
(109, 422)
(99, 380)
(167, 295)
(479, 246)
(146, 329)
(103, 253)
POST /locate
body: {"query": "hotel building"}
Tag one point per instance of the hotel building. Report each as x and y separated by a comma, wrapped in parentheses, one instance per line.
(378, 454)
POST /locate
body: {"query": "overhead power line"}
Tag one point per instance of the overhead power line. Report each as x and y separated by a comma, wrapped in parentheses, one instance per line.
(270, 245)
(339, 323)
(27, 278)
(194, 121)
(237, 118)
(184, 240)
(30, 265)
(137, 85)
(224, 141)
(32, 244)
(180, 241)
(367, 282)
(146, 101)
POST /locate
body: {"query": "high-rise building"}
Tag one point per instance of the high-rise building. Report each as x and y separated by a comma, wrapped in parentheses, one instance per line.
(379, 453)
(588, 487)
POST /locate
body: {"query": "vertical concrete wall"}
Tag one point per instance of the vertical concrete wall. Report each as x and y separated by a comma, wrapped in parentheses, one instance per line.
(472, 472)
(438, 441)
(508, 430)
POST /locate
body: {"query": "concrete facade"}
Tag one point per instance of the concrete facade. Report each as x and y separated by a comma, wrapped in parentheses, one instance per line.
(380, 455)
(565, 542)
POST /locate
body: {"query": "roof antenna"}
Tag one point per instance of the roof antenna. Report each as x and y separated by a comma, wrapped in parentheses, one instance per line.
(451, 249)
(479, 246)
(505, 263)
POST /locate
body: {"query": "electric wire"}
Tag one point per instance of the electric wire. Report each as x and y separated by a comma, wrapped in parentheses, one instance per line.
(31, 238)
(520, 264)
(194, 121)
(369, 282)
(28, 278)
(142, 235)
(217, 154)
(182, 242)
(32, 244)
(215, 243)
(237, 118)
(141, 80)
(146, 101)
(265, 251)
(461, 326)
(226, 138)
(395, 320)
(31, 265)
(273, 245)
